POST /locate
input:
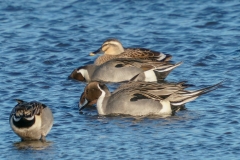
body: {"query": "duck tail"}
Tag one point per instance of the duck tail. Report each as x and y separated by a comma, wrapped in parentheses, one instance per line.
(182, 97)
(166, 68)
(156, 73)
(163, 71)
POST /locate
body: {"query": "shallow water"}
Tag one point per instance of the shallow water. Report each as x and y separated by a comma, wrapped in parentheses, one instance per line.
(43, 41)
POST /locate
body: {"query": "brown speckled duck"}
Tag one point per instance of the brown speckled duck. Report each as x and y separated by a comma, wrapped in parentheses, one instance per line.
(112, 48)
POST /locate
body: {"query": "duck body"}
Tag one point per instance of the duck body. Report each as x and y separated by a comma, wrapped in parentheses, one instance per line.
(31, 120)
(118, 70)
(130, 106)
(128, 102)
(114, 71)
(113, 49)
(140, 98)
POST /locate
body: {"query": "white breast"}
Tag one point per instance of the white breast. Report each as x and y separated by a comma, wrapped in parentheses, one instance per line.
(166, 107)
(100, 102)
(150, 76)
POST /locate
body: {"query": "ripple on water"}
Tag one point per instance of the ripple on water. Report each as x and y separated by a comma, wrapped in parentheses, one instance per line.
(43, 41)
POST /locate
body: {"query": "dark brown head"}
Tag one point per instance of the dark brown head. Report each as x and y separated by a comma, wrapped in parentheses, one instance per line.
(90, 95)
(79, 74)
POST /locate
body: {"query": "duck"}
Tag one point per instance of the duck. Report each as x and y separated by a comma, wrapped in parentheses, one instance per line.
(113, 48)
(31, 120)
(119, 70)
(139, 98)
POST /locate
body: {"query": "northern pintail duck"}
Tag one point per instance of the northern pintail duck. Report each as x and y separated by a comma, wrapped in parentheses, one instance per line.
(118, 70)
(31, 120)
(112, 48)
(139, 98)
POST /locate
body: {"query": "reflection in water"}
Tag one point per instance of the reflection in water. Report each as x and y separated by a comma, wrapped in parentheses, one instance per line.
(33, 145)
(125, 120)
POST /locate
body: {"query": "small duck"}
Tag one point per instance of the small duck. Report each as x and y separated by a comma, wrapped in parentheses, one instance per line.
(140, 98)
(112, 48)
(118, 70)
(31, 120)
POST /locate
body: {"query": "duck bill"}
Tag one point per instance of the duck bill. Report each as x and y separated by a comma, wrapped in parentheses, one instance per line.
(82, 102)
(96, 52)
(85, 104)
(81, 107)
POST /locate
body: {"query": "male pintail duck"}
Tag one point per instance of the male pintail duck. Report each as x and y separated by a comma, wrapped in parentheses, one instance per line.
(112, 48)
(139, 98)
(31, 120)
(118, 70)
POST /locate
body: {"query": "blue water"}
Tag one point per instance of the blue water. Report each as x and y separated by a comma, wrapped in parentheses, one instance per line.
(41, 43)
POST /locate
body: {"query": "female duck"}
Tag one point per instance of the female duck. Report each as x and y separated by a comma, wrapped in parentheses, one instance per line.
(112, 48)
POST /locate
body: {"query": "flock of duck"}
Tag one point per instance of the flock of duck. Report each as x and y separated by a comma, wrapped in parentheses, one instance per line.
(142, 91)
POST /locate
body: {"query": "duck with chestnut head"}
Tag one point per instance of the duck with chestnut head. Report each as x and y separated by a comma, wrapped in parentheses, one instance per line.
(140, 98)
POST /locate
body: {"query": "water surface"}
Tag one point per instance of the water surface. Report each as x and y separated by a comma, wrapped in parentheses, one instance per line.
(43, 41)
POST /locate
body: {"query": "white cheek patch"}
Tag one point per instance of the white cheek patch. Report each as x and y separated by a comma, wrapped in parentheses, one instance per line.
(16, 119)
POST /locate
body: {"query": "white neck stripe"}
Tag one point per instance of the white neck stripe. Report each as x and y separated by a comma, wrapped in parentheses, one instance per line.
(84, 73)
(100, 101)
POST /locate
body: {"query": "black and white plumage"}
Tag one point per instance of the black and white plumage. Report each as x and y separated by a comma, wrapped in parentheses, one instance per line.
(31, 120)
